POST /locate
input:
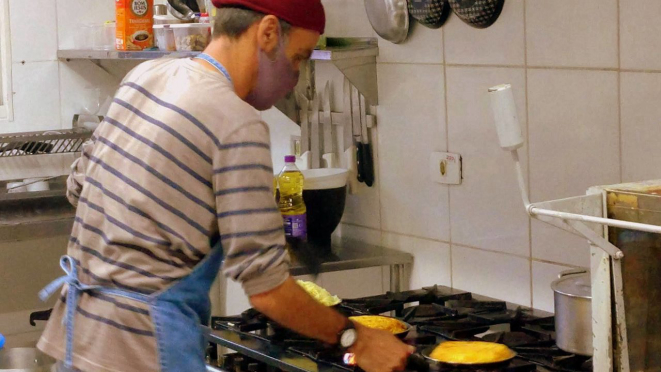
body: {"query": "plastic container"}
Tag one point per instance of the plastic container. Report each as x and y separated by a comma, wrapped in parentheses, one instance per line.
(291, 204)
(36, 184)
(164, 35)
(103, 35)
(192, 36)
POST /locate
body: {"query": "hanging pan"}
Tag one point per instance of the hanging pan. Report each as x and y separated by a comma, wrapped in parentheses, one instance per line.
(478, 13)
(389, 18)
(430, 13)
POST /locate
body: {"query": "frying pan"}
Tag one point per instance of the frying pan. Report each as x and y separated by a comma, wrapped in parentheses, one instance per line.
(478, 13)
(426, 353)
(389, 18)
(430, 13)
(400, 335)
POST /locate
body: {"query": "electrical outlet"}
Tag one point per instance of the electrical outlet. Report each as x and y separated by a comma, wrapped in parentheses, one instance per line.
(445, 168)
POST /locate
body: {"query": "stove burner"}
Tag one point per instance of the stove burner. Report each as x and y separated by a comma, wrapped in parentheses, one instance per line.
(437, 314)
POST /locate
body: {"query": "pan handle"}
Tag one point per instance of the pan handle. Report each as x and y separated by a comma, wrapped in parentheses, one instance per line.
(572, 272)
(417, 362)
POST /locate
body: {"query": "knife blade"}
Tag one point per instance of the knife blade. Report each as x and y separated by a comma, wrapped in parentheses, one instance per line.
(357, 131)
(305, 132)
(349, 148)
(314, 134)
(329, 154)
(366, 162)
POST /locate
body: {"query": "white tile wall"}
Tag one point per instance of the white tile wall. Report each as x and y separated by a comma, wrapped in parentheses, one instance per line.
(641, 95)
(543, 274)
(492, 274)
(500, 44)
(431, 259)
(36, 87)
(639, 42)
(33, 30)
(411, 126)
(574, 143)
(424, 45)
(489, 196)
(572, 33)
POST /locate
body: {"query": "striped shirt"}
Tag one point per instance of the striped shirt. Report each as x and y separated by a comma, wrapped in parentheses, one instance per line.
(179, 161)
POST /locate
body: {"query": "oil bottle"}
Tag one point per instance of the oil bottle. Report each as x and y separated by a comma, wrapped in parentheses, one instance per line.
(291, 204)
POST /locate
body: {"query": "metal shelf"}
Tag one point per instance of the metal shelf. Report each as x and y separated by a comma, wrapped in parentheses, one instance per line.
(338, 49)
(354, 57)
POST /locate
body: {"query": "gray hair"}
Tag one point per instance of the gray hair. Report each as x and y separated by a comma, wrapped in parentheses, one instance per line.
(234, 22)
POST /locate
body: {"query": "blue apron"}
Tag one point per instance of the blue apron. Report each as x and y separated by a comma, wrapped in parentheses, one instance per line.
(177, 311)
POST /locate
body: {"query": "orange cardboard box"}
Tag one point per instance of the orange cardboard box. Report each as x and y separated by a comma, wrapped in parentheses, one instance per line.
(135, 24)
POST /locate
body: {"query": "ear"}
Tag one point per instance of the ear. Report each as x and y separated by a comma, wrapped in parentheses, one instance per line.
(268, 33)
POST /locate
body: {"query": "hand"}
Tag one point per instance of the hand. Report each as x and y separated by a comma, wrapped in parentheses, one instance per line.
(380, 351)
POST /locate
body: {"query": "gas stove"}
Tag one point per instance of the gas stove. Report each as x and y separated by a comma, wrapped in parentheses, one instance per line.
(436, 313)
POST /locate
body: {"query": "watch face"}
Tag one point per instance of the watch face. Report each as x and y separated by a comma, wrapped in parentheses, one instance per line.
(348, 338)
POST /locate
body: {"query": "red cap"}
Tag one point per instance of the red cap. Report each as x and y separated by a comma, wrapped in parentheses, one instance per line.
(308, 14)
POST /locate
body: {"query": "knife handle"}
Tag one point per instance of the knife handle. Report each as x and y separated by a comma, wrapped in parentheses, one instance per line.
(367, 165)
(360, 149)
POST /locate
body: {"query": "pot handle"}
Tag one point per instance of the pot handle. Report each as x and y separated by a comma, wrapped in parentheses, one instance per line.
(572, 272)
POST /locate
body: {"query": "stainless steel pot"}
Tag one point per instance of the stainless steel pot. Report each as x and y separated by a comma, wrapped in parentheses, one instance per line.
(25, 359)
(573, 311)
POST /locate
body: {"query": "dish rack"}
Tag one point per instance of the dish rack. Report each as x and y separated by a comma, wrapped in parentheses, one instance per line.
(45, 142)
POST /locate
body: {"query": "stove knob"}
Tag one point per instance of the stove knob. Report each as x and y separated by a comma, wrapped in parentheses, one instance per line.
(253, 367)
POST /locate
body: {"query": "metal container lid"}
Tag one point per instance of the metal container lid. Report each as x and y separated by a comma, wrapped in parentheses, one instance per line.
(574, 284)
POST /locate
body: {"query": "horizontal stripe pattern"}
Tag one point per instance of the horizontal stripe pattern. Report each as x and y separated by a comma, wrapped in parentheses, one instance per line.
(179, 165)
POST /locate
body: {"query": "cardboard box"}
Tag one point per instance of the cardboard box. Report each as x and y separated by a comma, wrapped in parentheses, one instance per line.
(135, 22)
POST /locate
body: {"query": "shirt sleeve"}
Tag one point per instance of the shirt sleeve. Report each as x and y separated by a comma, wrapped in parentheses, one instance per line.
(77, 175)
(250, 225)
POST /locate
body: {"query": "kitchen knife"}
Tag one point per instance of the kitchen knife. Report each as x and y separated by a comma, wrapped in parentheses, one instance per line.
(329, 155)
(357, 131)
(314, 133)
(349, 148)
(305, 132)
(366, 162)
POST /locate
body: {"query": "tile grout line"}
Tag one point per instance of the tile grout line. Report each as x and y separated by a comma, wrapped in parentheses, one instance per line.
(525, 78)
(447, 148)
(619, 90)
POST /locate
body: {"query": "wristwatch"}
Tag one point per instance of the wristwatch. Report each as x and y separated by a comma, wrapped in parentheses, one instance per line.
(348, 336)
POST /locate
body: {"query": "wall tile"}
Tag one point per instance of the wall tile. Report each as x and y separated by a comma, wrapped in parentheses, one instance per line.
(491, 274)
(72, 13)
(431, 259)
(640, 46)
(500, 44)
(411, 126)
(347, 18)
(573, 143)
(641, 113)
(362, 234)
(486, 209)
(572, 33)
(36, 95)
(354, 283)
(33, 30)
(423, 45)
(543, 274)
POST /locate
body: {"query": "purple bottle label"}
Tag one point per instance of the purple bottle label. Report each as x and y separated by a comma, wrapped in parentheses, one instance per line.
(296, 226)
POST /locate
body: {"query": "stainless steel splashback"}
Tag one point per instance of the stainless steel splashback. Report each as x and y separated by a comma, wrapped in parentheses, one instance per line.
(641, 268)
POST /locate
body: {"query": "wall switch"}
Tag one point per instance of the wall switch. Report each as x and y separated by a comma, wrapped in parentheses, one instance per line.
(445, 168)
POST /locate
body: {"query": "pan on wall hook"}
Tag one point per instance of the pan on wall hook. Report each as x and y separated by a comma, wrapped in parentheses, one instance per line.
(430, 13)
(478, 13)
(389, 18)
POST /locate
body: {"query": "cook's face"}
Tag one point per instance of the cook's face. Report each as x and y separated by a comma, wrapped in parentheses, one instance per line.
(300, 46)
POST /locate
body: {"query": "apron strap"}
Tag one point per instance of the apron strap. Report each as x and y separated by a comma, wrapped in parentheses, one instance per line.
(68, 265)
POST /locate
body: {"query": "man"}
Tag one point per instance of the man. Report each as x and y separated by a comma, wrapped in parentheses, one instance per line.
(179, 177)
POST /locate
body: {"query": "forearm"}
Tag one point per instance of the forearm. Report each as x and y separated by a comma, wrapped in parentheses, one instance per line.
(292, 307)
